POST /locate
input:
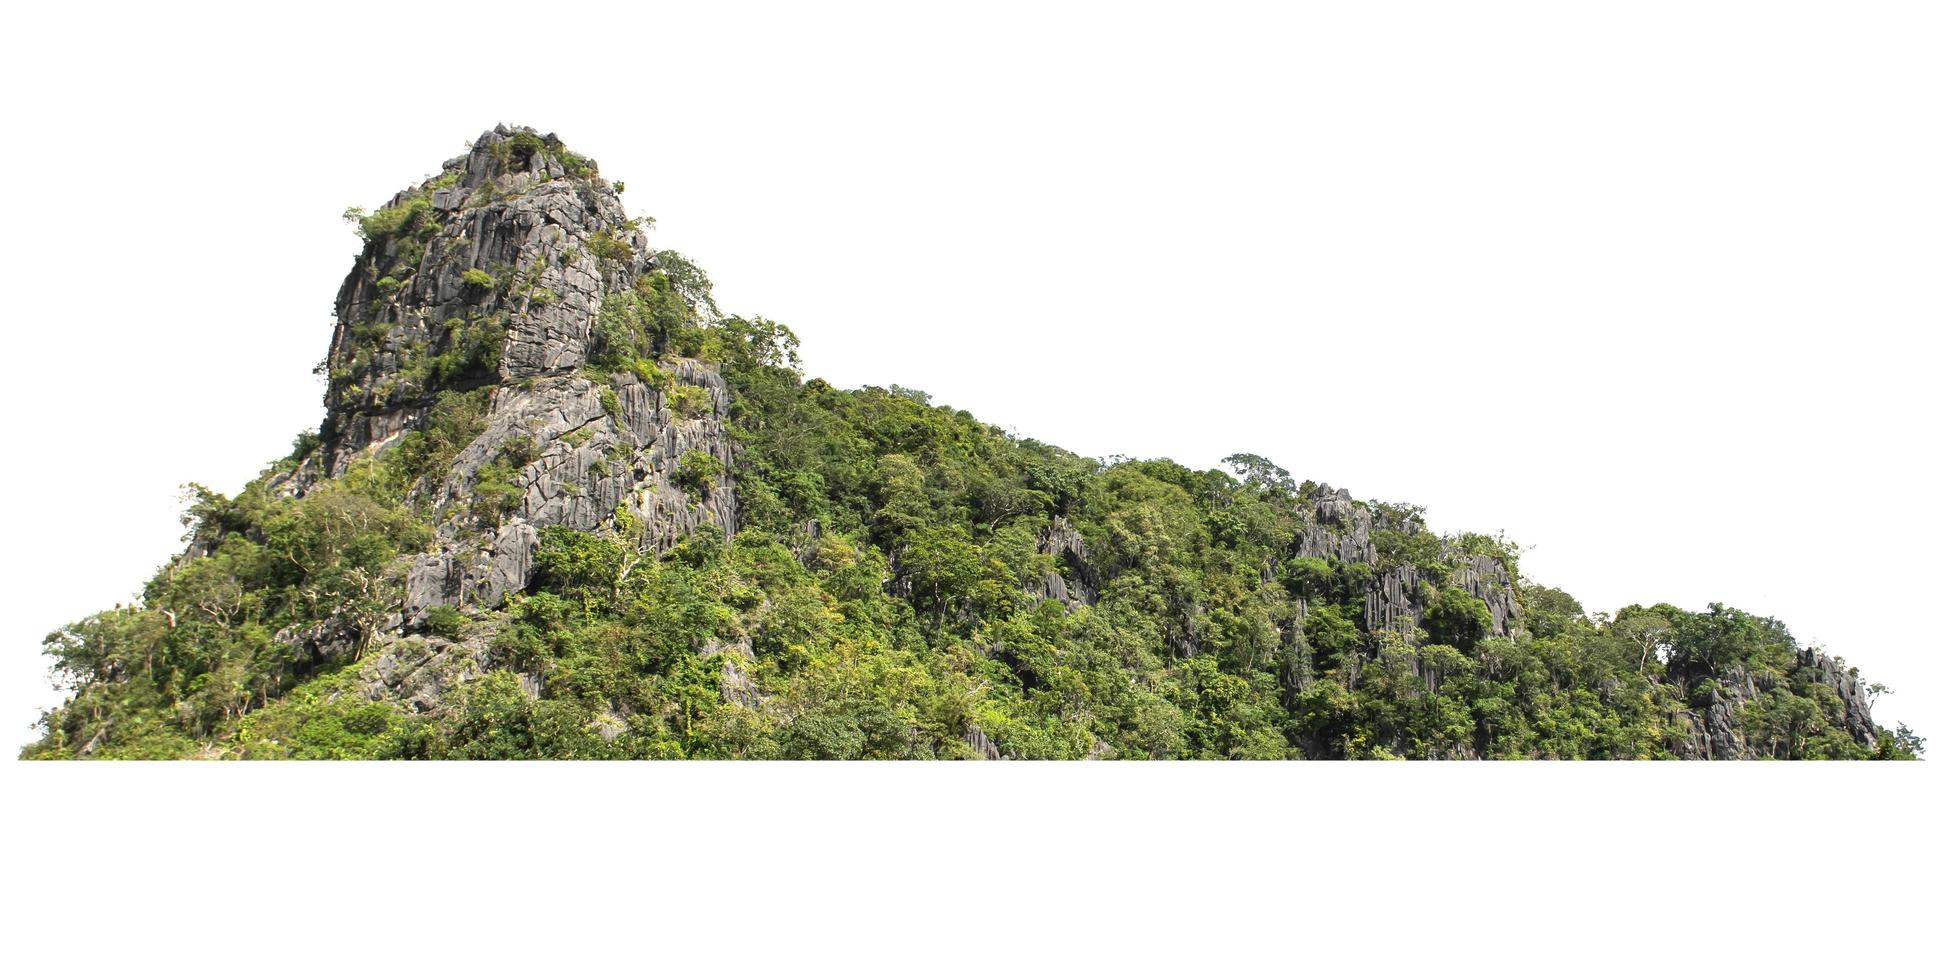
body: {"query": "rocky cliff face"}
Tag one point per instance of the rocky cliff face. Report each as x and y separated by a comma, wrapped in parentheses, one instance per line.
(507, 298)
(1713, 730)
(1338, 527)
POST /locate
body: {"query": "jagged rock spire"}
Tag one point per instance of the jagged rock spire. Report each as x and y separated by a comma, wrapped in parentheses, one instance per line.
(497, 265)
(509, 299)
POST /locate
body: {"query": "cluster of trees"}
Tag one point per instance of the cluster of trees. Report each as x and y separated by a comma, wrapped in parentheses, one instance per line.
(231, 626)
(887, 596)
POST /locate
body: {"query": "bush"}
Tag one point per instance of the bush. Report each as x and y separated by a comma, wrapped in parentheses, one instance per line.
(523, 146)
(445, 621)
(497, 488)
(651, 374)
(689, 401)
(577, 564)
(606, 246)
(306, 442)
(477, 279)
(577, 165)
(1332, 635)
(413, 215)
(697, 471)
(1457, 619)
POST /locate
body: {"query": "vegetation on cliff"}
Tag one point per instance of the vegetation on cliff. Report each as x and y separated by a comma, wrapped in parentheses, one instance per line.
(901, 581)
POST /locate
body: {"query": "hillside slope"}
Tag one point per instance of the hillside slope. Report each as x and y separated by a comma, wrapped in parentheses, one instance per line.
(562, 507)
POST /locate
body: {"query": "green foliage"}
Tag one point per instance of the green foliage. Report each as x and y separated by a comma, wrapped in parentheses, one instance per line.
(445, 621)
(306, 443)
(478, 279)
(689, 401)
(697, 471)
(455, 420)
(907, 582)
(497, 488)
(522, 147)
(325, 719)
(1333, 638)
(412, 217)
(206, 646)
(604, 245)
(1458, 619)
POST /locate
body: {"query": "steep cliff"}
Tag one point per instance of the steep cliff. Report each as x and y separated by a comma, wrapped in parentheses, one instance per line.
(515, 276)
(510, 296)
(561, 506)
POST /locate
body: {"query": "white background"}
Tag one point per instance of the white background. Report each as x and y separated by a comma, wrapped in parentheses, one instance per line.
(1656, 288)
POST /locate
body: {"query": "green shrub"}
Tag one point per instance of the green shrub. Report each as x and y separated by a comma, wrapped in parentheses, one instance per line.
(445, 621)
(689, 401)
(307, 442)
(1457, 619)
(495, 492)
(478, 279)
(1332, 635)
(606, 246)
(412, 216)
(651, 374)
(577, 165)
(522, 147)
(497, 489)
(620, 337)
(697, 471)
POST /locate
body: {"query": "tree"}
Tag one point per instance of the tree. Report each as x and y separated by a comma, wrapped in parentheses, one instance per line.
(1331, 634)
(1261, 473)
(1645, 630)
(1457, 619)
(1874, 691)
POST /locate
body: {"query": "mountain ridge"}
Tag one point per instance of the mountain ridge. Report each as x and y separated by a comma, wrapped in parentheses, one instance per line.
(560, 505)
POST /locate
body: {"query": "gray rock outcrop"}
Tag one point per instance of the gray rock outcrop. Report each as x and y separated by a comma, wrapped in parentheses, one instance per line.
(1339, 528)
(491, 280)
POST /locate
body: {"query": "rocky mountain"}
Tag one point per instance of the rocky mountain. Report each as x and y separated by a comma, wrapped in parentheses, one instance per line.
(560, 505)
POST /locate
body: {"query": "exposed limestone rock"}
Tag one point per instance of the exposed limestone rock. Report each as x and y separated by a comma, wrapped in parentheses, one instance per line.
(736, 684)
(553, 245)
(593, 463)
(1487, 579)
(983, 746)
(417, 671)
(1340, 528)
(1713, 732)
(1393, 600)
(499, 284)
(1082, 582)
(1845, 682)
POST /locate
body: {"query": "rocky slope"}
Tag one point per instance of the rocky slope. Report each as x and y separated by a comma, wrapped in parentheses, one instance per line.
(580, 445)
(558, 250)
(517, 533)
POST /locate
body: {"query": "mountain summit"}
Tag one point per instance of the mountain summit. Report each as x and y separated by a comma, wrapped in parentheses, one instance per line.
(511, 295)
(561, 506)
